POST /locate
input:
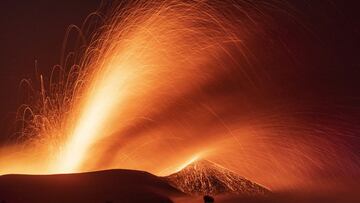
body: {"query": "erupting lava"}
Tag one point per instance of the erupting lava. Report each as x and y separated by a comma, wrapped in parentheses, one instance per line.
(137, 61)
(163, 82)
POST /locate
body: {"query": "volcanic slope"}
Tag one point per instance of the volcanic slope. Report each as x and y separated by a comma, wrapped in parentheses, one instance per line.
(123, 186)
(204, 177)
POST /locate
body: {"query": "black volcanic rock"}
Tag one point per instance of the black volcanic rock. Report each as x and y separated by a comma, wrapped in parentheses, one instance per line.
(204, 177)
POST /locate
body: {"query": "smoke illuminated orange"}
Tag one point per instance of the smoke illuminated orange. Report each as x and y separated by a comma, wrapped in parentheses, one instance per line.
(164, 83)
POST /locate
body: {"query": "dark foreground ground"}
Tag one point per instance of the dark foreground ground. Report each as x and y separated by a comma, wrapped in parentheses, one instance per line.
(94, 187)
(125, 186)
(279, 198)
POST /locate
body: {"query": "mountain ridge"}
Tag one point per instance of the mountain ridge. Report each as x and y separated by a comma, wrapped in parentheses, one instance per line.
(204, 177)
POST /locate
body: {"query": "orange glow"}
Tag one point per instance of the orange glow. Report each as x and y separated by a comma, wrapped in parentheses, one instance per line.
(193, 159)
(164, 84)
(137, 59)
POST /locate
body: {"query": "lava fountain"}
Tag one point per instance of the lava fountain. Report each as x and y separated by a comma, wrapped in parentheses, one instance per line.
(139, 59)
(165, 82)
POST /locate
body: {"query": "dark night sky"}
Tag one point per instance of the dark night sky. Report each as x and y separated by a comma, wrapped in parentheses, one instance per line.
(33, 30)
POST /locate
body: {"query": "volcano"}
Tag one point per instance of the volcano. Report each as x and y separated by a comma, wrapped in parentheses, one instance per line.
(120, 185)
(204, 177)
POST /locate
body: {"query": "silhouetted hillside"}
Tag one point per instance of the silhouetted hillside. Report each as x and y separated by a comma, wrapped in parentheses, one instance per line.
(100, 187)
